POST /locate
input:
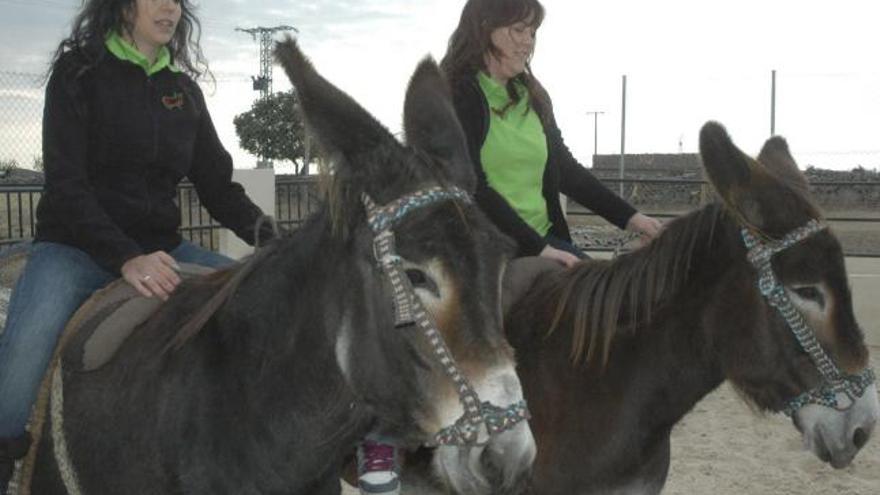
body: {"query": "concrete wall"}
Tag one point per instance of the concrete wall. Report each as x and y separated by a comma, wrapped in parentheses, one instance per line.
(864, 276)
(260, 186)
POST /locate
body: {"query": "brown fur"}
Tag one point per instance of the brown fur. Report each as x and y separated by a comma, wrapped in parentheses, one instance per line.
(603, 297)
(655, 330)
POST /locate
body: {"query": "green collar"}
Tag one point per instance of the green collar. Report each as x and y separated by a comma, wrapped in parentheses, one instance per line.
(496, 93)
(493, 89)
(124, 50)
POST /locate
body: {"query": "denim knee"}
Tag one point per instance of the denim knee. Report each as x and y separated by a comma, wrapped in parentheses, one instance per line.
(187, 252)
(55, 281)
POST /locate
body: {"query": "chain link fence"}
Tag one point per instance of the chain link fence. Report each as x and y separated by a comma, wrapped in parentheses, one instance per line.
(21, 113)
(852, 208)
(295, 199)
(851, 201)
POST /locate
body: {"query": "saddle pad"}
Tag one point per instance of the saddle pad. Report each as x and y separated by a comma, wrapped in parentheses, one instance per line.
(108, 317)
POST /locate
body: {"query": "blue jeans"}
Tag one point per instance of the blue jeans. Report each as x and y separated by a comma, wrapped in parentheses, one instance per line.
(56, 280)
(564, 245)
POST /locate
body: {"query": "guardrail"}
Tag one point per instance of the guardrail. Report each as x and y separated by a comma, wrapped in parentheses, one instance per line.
(852, 209)
(295, 199)
(18, 205)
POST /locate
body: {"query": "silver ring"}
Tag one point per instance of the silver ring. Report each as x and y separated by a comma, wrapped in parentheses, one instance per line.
(147, 278)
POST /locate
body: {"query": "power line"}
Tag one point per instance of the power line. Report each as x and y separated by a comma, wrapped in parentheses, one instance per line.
(263, 82)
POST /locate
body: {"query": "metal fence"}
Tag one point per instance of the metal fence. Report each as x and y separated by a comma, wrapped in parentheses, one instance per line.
(682, 99)
(18, 204)
(295, 199)
(851, 208)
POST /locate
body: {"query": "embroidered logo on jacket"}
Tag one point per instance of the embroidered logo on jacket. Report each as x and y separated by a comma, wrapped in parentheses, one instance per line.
(173, 102)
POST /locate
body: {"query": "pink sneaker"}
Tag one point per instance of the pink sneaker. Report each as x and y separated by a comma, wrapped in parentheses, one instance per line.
(377, 469)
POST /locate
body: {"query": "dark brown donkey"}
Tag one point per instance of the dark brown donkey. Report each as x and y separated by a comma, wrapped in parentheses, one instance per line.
(333, 331)
(612, 354)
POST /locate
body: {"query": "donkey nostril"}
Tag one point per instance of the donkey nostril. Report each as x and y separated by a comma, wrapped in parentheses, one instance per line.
(860, 438)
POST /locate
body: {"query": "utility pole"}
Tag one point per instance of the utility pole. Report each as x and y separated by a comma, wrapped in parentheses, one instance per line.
(595, 115)
(263, 82)
(622, 136)
(773, 103)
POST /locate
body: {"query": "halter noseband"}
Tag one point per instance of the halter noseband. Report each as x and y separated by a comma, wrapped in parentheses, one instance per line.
(409, 311)
(836, 384)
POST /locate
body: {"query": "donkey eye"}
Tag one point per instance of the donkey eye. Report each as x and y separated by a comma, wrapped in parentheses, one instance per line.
(810, 293)
(420, 280)
(416, 277)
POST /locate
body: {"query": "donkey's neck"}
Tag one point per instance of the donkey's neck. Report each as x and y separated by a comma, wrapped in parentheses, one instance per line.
(677, 348)
(657, 369)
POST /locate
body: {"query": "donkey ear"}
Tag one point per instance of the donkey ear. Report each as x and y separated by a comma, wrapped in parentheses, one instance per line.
(728, 167)
(730, 171)
(776, 158)
(336, 120)
(430, 123)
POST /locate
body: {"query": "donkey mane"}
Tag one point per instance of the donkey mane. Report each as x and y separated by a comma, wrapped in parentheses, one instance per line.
(603, 297)
(198, 299)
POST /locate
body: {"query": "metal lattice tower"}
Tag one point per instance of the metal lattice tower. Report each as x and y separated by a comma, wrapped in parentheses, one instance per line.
(263, 82)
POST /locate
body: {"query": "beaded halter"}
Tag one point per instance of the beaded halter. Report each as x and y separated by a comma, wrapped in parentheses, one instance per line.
(838, 390)
(409, 311)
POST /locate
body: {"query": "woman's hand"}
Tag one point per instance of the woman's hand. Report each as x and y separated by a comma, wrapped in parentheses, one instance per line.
(647, 227)
(562, 257)
(153, 274)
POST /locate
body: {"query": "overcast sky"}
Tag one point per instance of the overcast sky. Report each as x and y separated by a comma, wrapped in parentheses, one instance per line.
(686, 61)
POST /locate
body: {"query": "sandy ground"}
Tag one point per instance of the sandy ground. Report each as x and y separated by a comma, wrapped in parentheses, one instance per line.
(724, 448)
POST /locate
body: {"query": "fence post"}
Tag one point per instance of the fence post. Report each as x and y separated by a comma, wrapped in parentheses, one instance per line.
(259, 184)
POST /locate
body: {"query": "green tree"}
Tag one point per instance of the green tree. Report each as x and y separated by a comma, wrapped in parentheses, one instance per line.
(273, 129)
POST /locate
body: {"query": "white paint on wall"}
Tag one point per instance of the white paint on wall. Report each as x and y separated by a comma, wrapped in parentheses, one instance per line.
(259, 184)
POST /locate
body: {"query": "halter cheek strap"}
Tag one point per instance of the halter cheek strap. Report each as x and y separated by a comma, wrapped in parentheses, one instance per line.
(409, 310)
(836, 385)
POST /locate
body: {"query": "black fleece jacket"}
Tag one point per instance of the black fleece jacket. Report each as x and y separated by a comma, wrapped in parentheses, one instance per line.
(562, 174)
(116, 143)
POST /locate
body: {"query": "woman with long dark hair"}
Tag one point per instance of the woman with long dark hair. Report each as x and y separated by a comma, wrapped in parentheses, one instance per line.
(124, 123)
(521, 161)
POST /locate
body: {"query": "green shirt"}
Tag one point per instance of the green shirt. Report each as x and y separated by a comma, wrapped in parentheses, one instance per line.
(126, 51)
(514, 154)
